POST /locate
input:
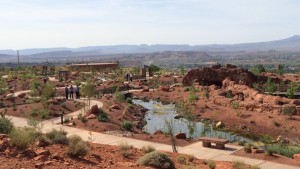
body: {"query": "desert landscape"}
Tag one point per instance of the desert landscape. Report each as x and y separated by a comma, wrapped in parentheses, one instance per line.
(254, 112)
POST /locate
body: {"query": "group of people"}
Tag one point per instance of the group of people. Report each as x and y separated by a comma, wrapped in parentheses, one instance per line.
(71, 92)
(129, 77)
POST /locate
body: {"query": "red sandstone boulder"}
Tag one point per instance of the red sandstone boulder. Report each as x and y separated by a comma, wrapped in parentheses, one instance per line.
(180, 136)
(91, 116)
(115, 106)
(145, 89)
(297, 157)
(165, 88)
(94, 110)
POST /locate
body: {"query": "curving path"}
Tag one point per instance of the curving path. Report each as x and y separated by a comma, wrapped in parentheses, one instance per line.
(195, 149)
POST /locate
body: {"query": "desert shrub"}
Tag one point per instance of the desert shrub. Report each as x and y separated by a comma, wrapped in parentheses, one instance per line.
(239, 165)
(242, 142)
(6, 125)
(247, 147)
(181, 159)
(34, 113)
(255, 167)
(210, 163)
(77, 147)
(103, 117)
(190, 157)
(148, 149)
(125, 149)
(118, 96)
(186, 89)
(193, 97)
(66, 120)
(44, 114)
(156, 159)
(284, 150)
(82, 118)
(288, 110)
(127, 125)
(22, 137)
(14, 106)
(129, 100)
(57, 136)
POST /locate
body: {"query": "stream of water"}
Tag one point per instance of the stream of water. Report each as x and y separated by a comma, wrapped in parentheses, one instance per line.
(157, 114)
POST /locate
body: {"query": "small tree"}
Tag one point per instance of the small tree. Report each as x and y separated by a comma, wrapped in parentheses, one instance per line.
(181, 69)
(291, 90)
(3, 85)
(236, 107)
(270, 86)
(170, 127)
(88, 90)
(48, 91)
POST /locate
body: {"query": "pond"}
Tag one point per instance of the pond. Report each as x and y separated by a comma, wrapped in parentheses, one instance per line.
(158, 113)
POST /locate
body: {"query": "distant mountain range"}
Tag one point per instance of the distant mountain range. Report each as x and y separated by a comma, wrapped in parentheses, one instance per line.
(289, 44)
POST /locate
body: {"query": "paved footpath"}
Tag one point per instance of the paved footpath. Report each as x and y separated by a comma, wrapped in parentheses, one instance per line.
(195, 149)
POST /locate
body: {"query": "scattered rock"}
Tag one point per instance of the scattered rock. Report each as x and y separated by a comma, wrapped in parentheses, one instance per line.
(42, 152)
(22, 95)
(91, 116)
(94, 110)
(220, 124)
(115, 106)
(180, 136)
(145, 89)
(297, 157)
(57, 157)
(165, 88)
(40, 158)
(39, 165)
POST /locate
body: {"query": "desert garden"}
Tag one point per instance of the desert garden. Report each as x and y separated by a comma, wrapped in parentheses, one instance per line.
(257, 110)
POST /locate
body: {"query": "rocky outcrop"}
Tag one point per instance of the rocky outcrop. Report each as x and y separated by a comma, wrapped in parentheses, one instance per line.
(215, 75)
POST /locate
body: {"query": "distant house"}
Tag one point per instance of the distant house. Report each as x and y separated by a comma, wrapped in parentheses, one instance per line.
(88, 67)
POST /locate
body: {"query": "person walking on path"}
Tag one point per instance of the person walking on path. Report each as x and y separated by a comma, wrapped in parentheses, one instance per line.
(67, 92)
(130, 77)
(77, 92)
(127, 77)
(71, 92)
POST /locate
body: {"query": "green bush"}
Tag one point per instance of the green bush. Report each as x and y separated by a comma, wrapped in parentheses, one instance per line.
(156, 159)
(186, 89)
(239, 165)
(127, 125)
(129, 100)
(6, 125)
(77, 147)
(255, 167)
(181, 159)
(22, 137)
(284, 150)
(148, 149)
(247, 148)
(103, 117)
(210, 163)
(125, 149)
(118, 96)
(57, 136)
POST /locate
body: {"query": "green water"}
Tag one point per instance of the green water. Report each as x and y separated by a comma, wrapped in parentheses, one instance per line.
(158, 113)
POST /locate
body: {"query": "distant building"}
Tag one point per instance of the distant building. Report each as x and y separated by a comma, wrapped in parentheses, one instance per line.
(88, 67)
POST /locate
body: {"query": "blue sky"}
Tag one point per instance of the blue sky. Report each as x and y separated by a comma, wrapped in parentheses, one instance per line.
(75, 23)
